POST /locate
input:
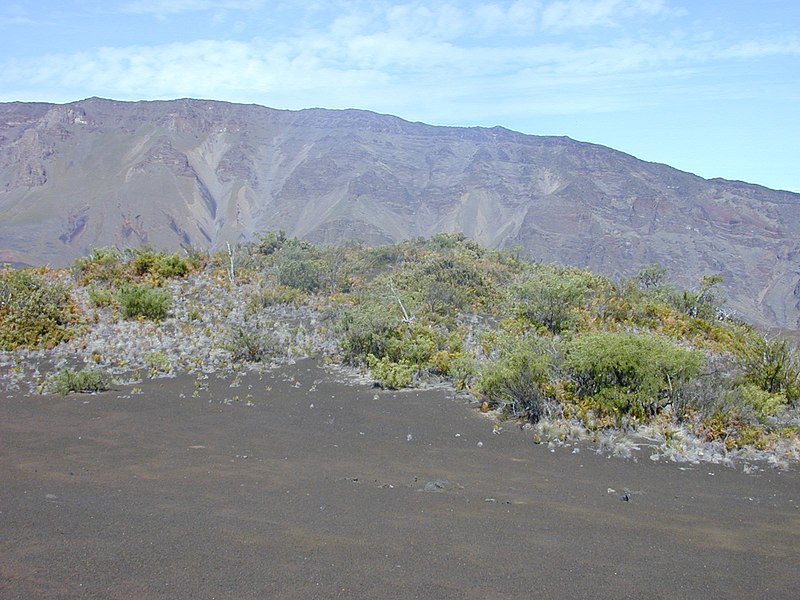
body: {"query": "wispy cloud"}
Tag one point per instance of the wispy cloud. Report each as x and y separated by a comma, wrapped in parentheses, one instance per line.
(409, 58)
(171, 7)
(762, 48)
(15, 14)
(574, 14)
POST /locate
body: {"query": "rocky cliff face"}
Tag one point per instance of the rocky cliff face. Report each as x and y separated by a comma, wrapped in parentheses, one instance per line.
(200, 173)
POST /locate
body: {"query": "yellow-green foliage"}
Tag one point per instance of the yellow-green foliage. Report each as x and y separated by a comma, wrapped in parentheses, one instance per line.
(552, 297)
(773, 365)
(158, 363)
(626, 373)
(390, 374)
(298, 266)
(104, 264)
(113, 267)
(248, 343)
(159, 265)
(83, 381)
(529, 338)
(763, 402)
(100, 296)
(35, 310)
(516, 380)
(274, 295)
(144, 300)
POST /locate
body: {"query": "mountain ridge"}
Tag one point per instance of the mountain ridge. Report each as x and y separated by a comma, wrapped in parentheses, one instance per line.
(205, 172)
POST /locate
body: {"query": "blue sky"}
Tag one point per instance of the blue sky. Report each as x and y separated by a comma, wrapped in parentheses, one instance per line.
(707, 86)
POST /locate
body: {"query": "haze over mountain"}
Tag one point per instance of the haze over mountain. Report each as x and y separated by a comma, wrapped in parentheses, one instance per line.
(200, 173)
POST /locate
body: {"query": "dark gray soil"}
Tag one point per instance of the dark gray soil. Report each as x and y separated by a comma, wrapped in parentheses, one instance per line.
(322, 489)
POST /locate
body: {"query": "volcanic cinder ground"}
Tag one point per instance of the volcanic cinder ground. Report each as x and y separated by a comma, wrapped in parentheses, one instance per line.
(298, 484)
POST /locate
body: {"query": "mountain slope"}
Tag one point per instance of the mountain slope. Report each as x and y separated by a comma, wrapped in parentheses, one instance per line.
(100, 172)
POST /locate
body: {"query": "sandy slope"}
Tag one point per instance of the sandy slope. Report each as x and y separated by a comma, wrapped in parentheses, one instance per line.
(308, 488)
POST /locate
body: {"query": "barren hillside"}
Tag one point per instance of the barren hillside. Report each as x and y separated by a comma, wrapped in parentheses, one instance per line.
(193, 172)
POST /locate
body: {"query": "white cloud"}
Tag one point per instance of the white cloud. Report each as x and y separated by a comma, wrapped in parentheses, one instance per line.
(15, 21)
(759, 48)
(417, 59)
(170, 7)
(571, 14)
(15, 14)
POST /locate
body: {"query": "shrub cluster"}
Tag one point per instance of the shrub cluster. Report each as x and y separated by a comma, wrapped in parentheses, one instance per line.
(131, 278)
(83, 381)
(144, 300)
(248, 343)
(529, 339)
(35, 310)
(627, 374)
(159, 265)
(517, 381)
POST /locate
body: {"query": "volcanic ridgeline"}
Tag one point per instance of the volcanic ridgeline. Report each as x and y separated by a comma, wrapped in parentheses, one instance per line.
(200, 173)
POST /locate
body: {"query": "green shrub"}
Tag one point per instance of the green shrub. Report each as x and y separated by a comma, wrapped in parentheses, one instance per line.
(766, 404)
(552, 296)
(449, 283)
(515, 380)
(103, 264)
(628, 374)
(702, 303)
(144, 300)
(100, 296)
(389, 374)
(366, 329)
(172, 265)
(193, 313)
(454, 242)
(650, 277)
(298, 268)
(415, 344)
(771, 364)
(158, 363)
(270, 242)
(247, 343)
(83, 381)
(336, 267)
(34, 310)
(273, 296)
(463, 369)
(159, 264)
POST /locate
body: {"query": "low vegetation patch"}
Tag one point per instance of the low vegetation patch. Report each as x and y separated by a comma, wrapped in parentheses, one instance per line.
(144, 300)
(542, 344)
(83, 381)
(35, 310)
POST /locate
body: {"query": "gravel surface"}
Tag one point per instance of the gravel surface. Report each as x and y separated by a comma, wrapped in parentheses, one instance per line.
(294, 483)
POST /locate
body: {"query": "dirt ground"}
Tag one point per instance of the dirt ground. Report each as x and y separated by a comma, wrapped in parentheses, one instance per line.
(294, 485)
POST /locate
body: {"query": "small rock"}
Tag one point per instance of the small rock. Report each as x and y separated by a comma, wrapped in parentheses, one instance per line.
(436, 485)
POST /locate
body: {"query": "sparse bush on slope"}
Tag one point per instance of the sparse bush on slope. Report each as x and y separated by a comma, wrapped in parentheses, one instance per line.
(516, 381)
(627, 374)
(35, 310)
(159, 265)
(246, 343)
(83, 381)
(144, 300)
(536, 341)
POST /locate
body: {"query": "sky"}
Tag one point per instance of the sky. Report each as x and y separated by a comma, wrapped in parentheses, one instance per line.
(707, 86)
